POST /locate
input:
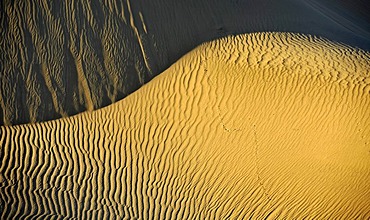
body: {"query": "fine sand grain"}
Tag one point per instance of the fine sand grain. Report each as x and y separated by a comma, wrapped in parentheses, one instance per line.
(267, 125)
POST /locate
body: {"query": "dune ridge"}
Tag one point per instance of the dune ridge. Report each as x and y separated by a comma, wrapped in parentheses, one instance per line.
(58, 59)
(261, 125)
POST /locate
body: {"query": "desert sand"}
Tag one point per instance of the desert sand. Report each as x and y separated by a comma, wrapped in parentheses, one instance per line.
(265, 125)
(59, 58)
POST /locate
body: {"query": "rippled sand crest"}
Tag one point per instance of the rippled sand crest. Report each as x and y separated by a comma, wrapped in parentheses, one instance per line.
(60, 58)
(258, 125)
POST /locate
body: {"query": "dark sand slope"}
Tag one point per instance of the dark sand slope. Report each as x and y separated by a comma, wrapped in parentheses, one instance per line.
(59, 58)
(259, 125)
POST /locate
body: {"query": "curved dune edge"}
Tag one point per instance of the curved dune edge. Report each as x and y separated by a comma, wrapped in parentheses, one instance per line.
(58, 59)
(258, 125)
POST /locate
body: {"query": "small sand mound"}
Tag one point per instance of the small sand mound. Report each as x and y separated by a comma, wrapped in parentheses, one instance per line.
(268, 125)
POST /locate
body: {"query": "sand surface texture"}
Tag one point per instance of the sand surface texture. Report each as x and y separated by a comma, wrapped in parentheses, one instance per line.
(260, 125)
(59, 58)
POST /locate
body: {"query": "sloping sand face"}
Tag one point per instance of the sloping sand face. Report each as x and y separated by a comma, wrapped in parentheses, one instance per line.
(60, 58)
(259, 125)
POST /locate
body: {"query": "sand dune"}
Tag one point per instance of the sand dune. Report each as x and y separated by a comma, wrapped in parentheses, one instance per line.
(61, 58)
(268, 125)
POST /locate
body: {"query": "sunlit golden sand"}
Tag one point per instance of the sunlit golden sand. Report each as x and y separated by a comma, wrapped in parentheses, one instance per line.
(61, 58)
(261, 125)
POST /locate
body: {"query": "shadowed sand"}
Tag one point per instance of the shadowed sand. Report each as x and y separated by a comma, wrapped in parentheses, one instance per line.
(258, 125)
(60, 58)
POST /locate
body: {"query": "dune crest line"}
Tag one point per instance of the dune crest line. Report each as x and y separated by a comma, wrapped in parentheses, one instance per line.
(58, 59)
(264, 125)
